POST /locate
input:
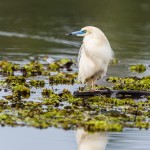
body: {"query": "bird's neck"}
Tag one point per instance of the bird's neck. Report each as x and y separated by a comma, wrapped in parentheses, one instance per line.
(95, 39)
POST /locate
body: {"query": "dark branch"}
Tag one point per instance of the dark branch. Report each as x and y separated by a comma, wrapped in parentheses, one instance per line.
(113, 93)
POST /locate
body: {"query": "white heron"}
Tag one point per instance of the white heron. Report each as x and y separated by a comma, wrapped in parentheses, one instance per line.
(94, 55)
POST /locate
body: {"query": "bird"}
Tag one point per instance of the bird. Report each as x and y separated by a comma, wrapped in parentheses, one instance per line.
(94, 55)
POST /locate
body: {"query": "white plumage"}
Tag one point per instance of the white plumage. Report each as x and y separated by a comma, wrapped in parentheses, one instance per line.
(94, 55)
(91, 141)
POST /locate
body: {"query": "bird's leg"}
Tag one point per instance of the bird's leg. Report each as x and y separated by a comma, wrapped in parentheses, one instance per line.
(93, 89)
(84, 87)
(92, 84)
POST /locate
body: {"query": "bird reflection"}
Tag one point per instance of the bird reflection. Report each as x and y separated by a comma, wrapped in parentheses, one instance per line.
(91, 141)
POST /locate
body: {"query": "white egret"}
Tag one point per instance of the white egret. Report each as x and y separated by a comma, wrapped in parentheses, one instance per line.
(94, 55)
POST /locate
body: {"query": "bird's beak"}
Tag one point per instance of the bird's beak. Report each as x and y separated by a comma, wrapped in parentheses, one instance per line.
(77, 33)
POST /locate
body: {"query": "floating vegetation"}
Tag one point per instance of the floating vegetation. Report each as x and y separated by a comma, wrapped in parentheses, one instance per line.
(32, 69)
(8, 68)
(13, 80)
(63, 78)
(131, 83)
(54, 66)
(63, 109)
(37, 83)
(93, 114)
(62, 63)
(138, 68)
(21, 90)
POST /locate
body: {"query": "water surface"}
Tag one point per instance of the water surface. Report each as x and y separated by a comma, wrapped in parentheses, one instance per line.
(25, 138)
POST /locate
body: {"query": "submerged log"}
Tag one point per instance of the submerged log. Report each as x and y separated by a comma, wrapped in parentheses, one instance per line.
(113, 93)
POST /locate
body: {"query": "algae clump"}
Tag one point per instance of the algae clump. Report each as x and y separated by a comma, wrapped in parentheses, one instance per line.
(138, 68)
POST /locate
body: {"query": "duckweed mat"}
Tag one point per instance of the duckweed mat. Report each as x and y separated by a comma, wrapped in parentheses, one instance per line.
(30, 96)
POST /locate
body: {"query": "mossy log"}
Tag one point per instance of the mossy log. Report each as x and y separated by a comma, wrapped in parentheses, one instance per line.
(113, 93)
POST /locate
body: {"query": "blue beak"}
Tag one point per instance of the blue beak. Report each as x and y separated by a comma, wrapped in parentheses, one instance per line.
(78, 33)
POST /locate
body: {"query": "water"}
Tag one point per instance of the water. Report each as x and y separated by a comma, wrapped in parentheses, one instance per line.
(30, 28)
(54, 139)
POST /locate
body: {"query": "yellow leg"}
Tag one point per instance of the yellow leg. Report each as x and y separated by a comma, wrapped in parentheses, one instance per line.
(92, 84)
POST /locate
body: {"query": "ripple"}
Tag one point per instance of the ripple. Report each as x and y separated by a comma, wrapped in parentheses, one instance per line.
(37, 37)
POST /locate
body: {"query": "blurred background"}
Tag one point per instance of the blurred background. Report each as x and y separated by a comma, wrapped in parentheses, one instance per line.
(35, 27)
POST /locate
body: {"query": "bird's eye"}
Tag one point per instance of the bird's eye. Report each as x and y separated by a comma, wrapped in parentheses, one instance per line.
(84, 31)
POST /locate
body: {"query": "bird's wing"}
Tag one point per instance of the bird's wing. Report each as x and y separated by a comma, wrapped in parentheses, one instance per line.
(80, 53)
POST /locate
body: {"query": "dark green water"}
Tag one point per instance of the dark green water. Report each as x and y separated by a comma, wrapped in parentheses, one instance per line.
(34, 27)
(30, 28)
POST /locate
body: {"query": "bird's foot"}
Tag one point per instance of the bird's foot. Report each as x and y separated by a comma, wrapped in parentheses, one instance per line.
(83, 88)
(86, 88)
(93, 88)
(90, 88)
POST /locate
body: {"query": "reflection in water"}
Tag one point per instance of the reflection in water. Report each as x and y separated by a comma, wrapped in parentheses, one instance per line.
(91, 141)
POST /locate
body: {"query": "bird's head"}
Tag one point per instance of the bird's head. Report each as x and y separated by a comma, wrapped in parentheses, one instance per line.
(85, 31)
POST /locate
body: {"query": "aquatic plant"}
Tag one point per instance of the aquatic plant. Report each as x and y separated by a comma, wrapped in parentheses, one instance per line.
(62, 109)
(63, 78)
(138, 68)
(61, 64)
(32, 69)
(8, 68)
(37, 83)
(131, 83)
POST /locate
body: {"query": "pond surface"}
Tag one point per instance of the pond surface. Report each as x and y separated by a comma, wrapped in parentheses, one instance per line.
(54, 139)
(30, 28)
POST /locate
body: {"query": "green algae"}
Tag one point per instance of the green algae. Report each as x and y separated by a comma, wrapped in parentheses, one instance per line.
(88, 113)
(18, 86)
(63, 110)
(32, 69)
(37, 83)
(54, 66)
(8, 68)
(131, 83)
(138, 68)
(62, 63)
(21, 90)
(63, 78)
(12, 80)
(35, 68)
(93, 114)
